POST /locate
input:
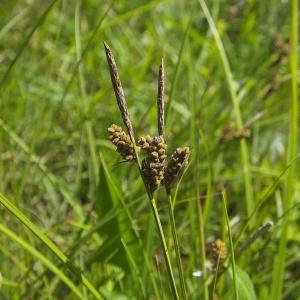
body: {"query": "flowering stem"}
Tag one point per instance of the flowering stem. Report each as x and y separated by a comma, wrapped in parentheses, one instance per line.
(159, 229)
(117, 86)
(176, 244)
(165, 249)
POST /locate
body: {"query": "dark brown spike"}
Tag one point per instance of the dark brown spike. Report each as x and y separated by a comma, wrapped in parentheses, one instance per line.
(117, 86)
(153, 164)
(160, 99)
(176, 166)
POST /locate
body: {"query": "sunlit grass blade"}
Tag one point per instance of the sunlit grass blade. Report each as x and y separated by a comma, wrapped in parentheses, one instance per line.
(48, 243)
(44, 260)
(279, 263)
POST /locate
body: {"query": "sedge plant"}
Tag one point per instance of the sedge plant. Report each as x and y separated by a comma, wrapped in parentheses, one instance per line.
(153, 169)
(127, 147)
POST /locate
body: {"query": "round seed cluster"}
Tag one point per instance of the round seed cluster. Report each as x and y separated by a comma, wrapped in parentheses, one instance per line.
(144, 142)
(176, 166)
(219, 249)
(153, 164)
(122, 141)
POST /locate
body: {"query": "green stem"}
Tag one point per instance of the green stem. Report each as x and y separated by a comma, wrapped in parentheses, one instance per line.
(200, 220)
(202, 246)
(279, 266)
(224, 199)
(159, 228)
(216, 277)
(176, 244)
(165, 249)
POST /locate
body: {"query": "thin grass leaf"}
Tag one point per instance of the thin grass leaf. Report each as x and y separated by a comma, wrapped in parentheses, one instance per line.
(176, 73)
(84, 98)
(236, 108)
(43, 259)
(134, 268)
(279, 262)
(263, 199)
(49, 244)
(234, 278)
(117, 226)
(26, 41)
(177, 248)
(37, 160)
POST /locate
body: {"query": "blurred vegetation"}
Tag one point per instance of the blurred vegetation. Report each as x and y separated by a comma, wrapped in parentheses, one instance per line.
(58, 167)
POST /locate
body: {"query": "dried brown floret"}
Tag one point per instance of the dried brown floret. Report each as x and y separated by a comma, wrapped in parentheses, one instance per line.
(144, 142)
(122, 141)
(176, 166)
(153, 164)
(219, 249)
(230, 132)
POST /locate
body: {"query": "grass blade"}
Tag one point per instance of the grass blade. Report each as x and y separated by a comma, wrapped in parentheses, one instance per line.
(44, 260)
(26, 41)
(224, 200)
(37, 160)
(48, 243)
(277, 282)
(236, 108)
(176, 244)
(84, 98)
(134, 267)
(180, 57)
(165, 248)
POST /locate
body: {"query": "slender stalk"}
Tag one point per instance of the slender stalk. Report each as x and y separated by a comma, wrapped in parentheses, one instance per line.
(236, 297)
(202, 246)
(216, 277)
(200, 220)
(165, 249)
(160, 231)
(176, 244)
(277, 282)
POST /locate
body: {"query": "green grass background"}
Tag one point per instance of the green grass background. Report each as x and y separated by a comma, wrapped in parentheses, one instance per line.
(58, 167)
